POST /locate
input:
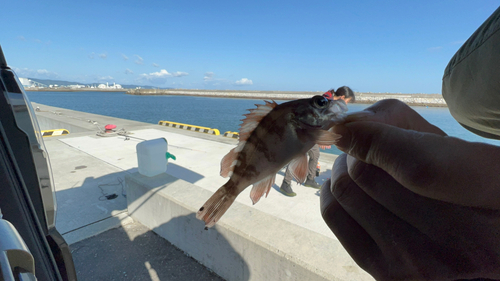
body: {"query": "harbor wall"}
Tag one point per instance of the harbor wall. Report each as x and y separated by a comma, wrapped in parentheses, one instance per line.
(364, 98)
(247, 245)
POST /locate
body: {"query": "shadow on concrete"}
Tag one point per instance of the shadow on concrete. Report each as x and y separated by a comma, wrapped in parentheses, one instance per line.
(132, 251)
(183, 173)
(192, 227)
(85, 202)
(88, 202)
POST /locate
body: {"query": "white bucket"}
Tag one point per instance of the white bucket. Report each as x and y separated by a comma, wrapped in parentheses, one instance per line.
(151, 157)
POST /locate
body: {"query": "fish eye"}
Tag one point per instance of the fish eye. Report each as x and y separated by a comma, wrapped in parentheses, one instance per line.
(320, 101)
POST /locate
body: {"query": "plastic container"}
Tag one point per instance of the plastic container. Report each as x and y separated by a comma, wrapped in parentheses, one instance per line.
(151, 157)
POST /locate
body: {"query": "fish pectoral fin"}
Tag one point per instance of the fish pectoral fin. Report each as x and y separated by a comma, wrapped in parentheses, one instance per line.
(299, 168)
(226, 164)
(215, 207)
(230, 160)
(327, 137)
(261, 187)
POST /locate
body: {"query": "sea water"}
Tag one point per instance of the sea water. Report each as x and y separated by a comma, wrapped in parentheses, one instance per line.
(224, 114)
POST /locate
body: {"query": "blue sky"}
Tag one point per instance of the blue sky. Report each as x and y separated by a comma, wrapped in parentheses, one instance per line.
(371, 46)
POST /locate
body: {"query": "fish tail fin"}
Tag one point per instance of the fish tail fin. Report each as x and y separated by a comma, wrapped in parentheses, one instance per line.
(215, 206)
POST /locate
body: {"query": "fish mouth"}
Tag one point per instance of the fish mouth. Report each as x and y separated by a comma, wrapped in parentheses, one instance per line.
(335, 114)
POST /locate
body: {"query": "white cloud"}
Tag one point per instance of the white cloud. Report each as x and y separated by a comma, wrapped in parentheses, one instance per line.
(128, 71)
(35, 73)
(155, 65)
(180, 74)
(124, 57)
(209, 76)
(21, 38)
(244, 81)
(103, 56)
(92, 55)
(139, 60)
(162, 75)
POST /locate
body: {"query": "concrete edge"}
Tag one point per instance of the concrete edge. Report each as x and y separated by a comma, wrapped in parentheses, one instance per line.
(246, 244)
(117, 219)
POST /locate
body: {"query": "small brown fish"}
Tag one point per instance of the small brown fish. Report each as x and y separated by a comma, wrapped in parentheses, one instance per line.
(272, 136)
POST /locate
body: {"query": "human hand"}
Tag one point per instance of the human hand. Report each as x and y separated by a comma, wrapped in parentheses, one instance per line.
(409, 203)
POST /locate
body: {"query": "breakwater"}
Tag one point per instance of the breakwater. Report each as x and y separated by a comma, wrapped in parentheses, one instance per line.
(68, 89)
(366, 98)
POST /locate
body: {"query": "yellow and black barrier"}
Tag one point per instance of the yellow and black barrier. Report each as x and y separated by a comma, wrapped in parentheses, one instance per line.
(55, 132)
(233, 135)
(205, 130)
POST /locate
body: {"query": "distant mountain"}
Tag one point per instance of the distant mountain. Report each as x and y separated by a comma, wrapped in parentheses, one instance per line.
(67, 83)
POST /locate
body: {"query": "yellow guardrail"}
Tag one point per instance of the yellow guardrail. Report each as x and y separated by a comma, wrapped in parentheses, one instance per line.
(55, 132)
(233, 135)
(195, 128)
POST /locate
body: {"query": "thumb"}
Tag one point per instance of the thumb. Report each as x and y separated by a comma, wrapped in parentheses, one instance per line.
(428, 164)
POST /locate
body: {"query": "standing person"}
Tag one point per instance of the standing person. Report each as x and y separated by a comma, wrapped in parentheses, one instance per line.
(344, 93)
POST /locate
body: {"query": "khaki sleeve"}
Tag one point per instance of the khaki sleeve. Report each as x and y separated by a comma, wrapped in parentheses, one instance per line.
(471, 81)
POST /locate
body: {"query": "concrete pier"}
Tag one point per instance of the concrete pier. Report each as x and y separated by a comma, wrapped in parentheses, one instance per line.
(279, 238)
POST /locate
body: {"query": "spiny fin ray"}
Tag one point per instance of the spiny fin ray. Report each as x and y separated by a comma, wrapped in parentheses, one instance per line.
(299, 168)
(262, 187)
(253, 118)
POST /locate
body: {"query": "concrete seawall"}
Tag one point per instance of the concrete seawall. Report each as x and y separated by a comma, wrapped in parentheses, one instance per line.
(363, 98)
(366, 98)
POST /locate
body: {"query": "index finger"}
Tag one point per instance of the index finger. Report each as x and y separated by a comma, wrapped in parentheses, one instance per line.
(443, 168)
(395, 113)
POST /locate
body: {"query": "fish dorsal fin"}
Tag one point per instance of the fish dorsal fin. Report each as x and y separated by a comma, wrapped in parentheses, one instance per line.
(230, 160)
(262, 187)
(253, 118)
(327, 137)
(299, 168)
(246, 128)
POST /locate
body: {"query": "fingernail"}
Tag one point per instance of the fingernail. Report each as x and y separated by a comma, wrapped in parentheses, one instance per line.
(345, 139)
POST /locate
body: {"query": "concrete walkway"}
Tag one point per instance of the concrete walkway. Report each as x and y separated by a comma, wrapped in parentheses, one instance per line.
(86, 167)
(107, 257)
(89, 173)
